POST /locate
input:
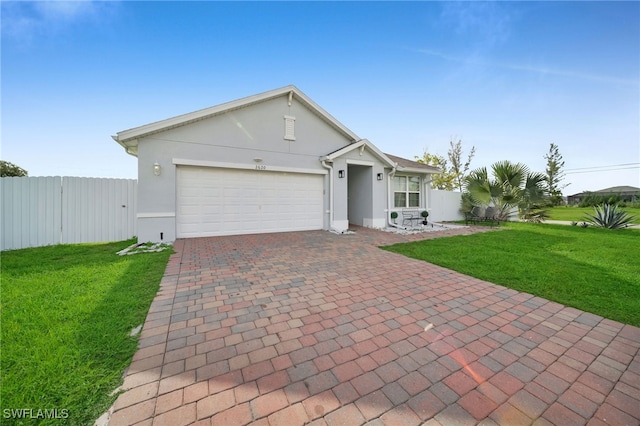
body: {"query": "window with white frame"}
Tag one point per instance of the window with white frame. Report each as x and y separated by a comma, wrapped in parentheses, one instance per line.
(406, 191)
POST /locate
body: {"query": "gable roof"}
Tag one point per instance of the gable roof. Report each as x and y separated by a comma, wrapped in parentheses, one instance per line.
(362, 143)
(412, 166)
(401, 164)
(129, 138)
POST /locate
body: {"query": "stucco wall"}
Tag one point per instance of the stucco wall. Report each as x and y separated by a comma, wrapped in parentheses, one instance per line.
(376, 202)
(237, 137)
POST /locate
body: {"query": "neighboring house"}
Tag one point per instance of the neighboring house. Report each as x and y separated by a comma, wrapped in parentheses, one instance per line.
(271, 162)
(626, 193)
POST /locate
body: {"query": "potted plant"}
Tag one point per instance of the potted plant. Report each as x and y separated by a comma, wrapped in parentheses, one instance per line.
(394, 216)
(425, 215)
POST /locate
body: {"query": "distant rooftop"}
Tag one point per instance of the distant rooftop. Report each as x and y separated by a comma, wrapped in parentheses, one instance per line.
(612, 190)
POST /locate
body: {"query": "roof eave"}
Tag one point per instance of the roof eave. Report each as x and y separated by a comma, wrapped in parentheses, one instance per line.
(419, 170)
(130, 146)
(184, 119)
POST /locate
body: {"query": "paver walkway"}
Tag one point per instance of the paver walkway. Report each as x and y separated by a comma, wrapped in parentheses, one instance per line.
(313, 327)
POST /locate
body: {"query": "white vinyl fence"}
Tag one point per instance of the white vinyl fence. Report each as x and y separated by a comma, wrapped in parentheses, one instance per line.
(41, 211)
(445, 206)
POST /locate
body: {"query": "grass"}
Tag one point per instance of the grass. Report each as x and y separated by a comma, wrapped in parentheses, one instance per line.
(577, 214)
(66, 314)
(592, 269)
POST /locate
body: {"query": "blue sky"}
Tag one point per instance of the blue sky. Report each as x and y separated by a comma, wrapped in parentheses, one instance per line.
(506, 77)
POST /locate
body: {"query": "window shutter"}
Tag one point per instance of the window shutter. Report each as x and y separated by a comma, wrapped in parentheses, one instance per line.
(289, 128)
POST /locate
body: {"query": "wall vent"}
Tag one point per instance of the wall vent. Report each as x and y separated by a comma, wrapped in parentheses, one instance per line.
(289, 128)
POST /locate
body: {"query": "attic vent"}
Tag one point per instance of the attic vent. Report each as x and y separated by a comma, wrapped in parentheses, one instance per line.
(289, 128)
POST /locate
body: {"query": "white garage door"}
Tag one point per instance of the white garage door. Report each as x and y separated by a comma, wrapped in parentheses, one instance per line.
(215, 201)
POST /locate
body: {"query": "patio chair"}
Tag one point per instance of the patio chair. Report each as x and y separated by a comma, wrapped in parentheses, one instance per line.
(474, 216)
(490, 215)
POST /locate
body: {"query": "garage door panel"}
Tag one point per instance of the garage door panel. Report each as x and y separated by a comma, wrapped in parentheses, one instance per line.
(213, 201)
(210, 192)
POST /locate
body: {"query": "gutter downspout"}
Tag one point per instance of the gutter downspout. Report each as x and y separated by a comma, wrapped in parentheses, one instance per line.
(391, 175)
(427, 193)
(330, 168)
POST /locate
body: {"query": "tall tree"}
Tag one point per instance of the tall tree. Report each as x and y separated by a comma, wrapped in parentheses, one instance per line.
(8, 169)
(445, 180)
(554, 175)
(458, 168)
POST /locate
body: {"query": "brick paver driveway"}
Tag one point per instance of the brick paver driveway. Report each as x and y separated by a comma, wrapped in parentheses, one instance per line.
(312, 327)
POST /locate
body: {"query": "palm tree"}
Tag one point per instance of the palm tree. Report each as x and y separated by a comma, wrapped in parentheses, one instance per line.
(510, 186)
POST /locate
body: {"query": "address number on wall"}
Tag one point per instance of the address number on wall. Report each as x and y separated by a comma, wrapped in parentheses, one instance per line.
(261, 167)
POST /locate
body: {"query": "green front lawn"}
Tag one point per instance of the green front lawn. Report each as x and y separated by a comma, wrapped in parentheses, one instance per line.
(576, 214)
(592, 269)
(66, 314)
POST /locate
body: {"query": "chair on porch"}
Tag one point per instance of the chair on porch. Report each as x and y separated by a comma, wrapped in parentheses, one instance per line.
(409, 216)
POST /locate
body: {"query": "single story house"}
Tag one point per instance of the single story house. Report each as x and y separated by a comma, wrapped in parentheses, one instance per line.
(271, 162)
(626, 193)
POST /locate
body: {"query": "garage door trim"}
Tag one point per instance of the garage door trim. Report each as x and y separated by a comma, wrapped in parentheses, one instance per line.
(240, 166)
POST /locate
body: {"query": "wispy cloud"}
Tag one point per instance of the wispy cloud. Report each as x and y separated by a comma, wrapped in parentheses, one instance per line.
(569, 74)
(24, 20)
(484, 23)
(535, 69)
(484, 27)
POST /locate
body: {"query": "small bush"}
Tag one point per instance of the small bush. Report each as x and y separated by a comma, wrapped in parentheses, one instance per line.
(535, 216)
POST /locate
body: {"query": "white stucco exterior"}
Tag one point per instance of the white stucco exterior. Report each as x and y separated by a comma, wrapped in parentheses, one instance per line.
(279, 135)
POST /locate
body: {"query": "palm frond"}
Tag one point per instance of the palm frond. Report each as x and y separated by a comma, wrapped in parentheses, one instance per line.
(510, 174)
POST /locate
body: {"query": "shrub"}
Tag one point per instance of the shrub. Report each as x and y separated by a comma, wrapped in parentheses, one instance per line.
(535, 215)
(610, 217)
(592, 199)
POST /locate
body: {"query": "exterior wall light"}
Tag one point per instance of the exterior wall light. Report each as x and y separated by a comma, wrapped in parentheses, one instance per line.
(379, 176)
(156, 169)
(340, 174)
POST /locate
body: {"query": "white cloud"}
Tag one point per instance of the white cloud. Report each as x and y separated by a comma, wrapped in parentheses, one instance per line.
(65, 10)
(536, 69)
(22, 21)
(485, 24)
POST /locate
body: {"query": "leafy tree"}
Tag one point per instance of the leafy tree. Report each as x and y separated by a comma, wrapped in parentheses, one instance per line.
(509, 186)
(444, 180)
(452, 177)
(8, 169)
(458, 168)
(554, 175)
